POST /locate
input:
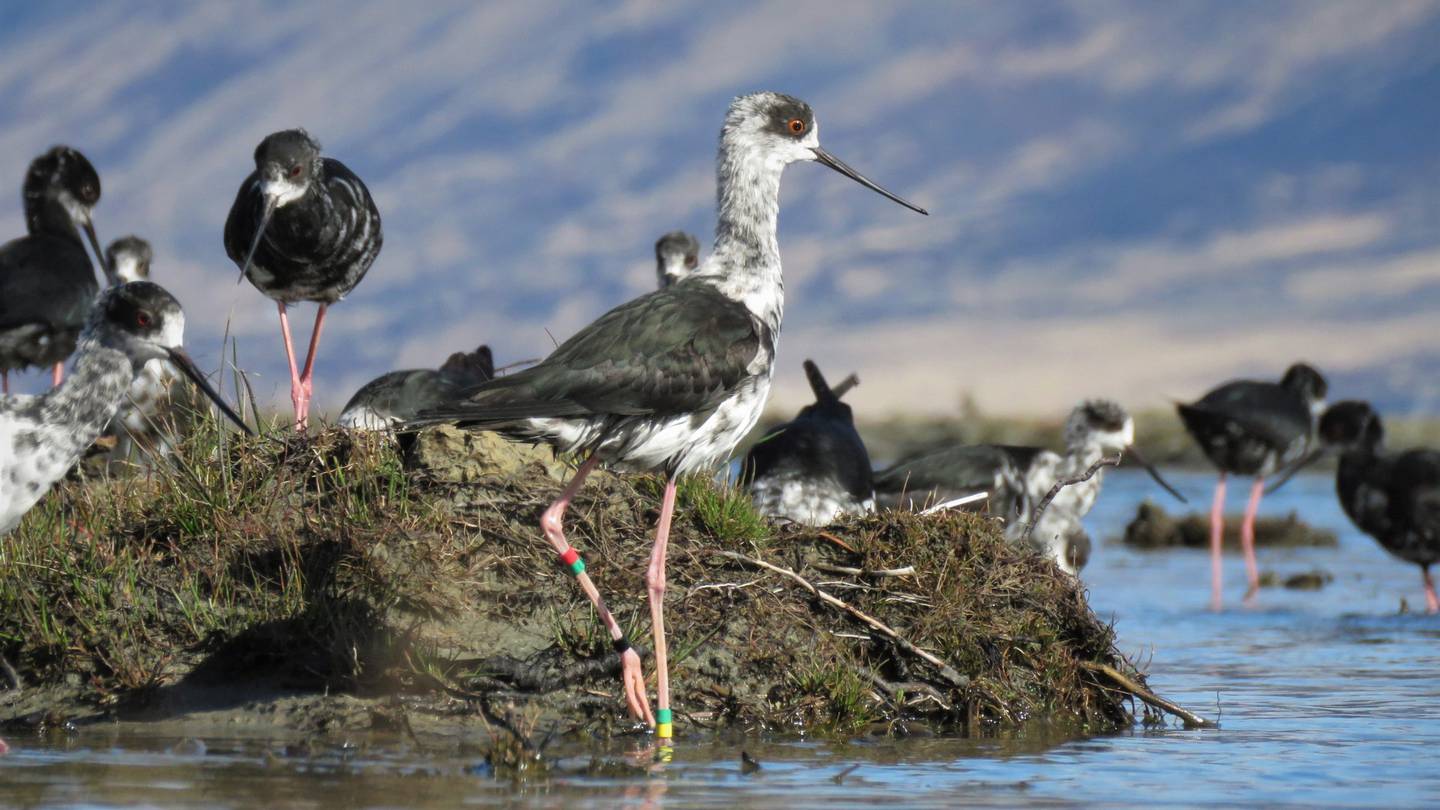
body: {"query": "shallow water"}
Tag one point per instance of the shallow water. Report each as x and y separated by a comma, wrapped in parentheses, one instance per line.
(1326, 697)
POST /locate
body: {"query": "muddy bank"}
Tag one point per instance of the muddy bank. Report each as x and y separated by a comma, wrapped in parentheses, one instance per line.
(1154, 528)
(345, 582)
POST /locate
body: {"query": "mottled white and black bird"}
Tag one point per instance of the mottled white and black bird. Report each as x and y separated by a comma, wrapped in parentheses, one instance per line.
(1019, 478)
(813, 468)
(47, 280)
(399, 396)
(160, 404)
(672, 380)
(676, 254)
(1393, 497)
(303, 228)
(41, 437)
(1256, 428)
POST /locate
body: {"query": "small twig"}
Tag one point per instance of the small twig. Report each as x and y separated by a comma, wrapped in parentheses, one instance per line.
(837, 541)
(907, 571)
(954, 502)
(10, 673)
(947, 672)
(1105, 461)
(1191, 719)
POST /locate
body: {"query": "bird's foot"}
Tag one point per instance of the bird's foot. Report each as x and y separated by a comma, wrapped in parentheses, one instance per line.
(632, 676)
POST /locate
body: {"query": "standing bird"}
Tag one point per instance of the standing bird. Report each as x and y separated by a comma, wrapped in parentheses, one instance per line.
(303, 228)
(677, 254)
(42, 437)
(1250, 427)
(1393, 497)
(399, 396)
(47, 283)
(813, 468)
(1019, 478)
(672, 380)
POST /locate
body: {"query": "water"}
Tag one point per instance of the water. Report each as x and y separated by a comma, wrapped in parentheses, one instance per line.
(1326, 697)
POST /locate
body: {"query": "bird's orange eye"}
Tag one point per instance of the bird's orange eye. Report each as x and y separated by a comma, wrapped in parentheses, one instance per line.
(142, 319)
(796, 126)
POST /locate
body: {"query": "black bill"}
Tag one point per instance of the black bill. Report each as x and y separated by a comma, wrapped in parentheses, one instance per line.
(89, 229)
(821, 156)
(265, 215)
(1304, 461)
(1154, 473)
(183, 362)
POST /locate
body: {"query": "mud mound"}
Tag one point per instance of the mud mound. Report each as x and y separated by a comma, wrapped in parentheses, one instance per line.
(1154, 528)
(344, 563)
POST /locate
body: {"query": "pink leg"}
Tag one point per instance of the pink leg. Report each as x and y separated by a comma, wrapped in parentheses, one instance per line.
(310, 363)
(655, 579)
(1247, 537)
(631, 674)
(1217, 536)
(295, 391)
(1432, 603)
(57, 375)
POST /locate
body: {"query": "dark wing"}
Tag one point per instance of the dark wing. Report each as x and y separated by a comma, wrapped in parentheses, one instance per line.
(672, 351)
(1415, 492)
(45, 282)
(244, 218)
(1262, 410)
(1020, 456)
(948, 472)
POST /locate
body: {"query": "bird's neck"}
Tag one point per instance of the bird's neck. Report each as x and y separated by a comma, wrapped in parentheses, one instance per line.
(745, 262)
(44, 214)
(89, 397)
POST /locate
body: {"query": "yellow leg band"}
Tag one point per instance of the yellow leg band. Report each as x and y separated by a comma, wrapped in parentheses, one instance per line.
(663, 730)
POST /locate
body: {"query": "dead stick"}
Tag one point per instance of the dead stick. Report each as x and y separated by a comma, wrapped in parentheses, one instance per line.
(1105, 461)
(11, 673)
(908, 570)
(1191, 719)
(946, 671)
(837, 541)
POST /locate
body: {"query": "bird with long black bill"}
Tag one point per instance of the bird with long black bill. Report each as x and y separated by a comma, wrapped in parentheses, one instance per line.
(1019, 478)
(813, 468)
(47, 281)
(1255, 428)
(672, 380)
(303, 228)
(676, 254)
(1392, 496)
(41, 437)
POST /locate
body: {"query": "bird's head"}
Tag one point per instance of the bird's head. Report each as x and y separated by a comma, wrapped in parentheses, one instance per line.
(1351, 424)
(676, 254)
(288, 162)
(144, 322)
(1305, 380)
(128, 259)
(778, 130)
(63, 177)
(1106, 426)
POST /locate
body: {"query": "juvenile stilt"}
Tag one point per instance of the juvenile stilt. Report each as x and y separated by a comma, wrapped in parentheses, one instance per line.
(1217, 539)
